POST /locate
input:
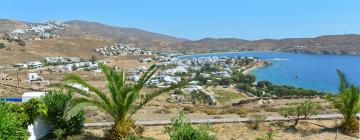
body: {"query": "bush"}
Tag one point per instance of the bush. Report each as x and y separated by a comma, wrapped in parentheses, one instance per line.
(56, 102)
(211, 111)
(181, 129)
(189, 109)
(13, 123)
(299, 111)
(2, 45)
(34, 108)
(255, 120)
(21, 43)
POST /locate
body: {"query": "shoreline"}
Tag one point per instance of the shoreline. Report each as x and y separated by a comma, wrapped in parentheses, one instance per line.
(223, 53)
(352, 54)
(259, 64)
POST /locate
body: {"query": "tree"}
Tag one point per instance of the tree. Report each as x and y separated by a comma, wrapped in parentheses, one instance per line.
(347, 102)
(121, 100)
(299, 111)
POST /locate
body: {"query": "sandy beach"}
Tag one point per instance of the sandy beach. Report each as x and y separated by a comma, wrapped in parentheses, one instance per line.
(255, 66)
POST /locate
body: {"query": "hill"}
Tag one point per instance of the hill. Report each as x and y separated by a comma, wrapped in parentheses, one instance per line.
(140, 38)
(80, 38)
(330, 44)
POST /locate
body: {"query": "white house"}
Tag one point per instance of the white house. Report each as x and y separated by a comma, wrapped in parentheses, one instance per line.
(34, 64)
(33, 76)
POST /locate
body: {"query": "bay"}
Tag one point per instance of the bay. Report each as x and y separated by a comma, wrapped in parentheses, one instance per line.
(310, 71)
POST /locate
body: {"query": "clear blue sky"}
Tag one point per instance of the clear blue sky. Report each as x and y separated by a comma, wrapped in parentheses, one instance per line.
(196, 19)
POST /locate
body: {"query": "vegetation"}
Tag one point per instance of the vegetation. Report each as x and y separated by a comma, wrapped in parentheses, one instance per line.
(93, 59)
(121, 101)
(225, 95)
(239, 77)
(21, 43)
(34, 108)
(269, 134)
(300, 111)
(245, 82)
(181, 129)
(2, 45)
(55, 102)
(135, 137)
(15, 118)
(13, 122)
(283, 90)
(347, 102)
(255, 120)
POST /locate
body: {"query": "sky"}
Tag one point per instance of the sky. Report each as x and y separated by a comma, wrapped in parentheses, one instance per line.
(196, 19)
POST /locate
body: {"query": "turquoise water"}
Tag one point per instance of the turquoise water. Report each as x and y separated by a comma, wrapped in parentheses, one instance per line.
(309, 71)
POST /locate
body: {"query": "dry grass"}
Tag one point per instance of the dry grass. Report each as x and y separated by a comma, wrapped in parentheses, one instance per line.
(190, 109)
(239, 111)
(307, 130)
(226, 95)
(79, 46)
(211, 111)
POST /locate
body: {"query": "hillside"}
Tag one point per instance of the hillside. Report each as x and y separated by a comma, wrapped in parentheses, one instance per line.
(141, 38)
(330, 44)
(80, 38)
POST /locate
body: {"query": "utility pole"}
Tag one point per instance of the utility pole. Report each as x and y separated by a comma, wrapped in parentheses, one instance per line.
(17, 78)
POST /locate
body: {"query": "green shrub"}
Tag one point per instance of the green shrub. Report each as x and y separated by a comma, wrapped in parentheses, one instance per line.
(56, 102)
(59, 133)
(181, 129)
(299, 111)
(13, 123)
(34, 108)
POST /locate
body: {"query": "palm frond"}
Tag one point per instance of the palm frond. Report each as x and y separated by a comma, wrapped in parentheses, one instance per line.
(343, 82)
(77, 104)
(146, 76)
(148, 97)
(73, 78)
(70, 88)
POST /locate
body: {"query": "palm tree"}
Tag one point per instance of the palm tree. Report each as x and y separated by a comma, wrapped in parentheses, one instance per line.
(120, 101)
(347, 102)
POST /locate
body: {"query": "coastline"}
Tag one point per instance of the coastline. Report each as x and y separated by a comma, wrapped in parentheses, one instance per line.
(350, 54)
(222, 53)
(259, 64)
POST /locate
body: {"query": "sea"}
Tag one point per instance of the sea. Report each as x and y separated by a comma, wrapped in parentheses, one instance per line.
(309, 71)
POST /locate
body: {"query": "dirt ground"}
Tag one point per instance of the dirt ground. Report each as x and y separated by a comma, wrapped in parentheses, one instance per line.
(306, 130)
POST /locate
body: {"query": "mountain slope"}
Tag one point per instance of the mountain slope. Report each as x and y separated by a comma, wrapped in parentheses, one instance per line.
(139, 37)
(329, 44)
